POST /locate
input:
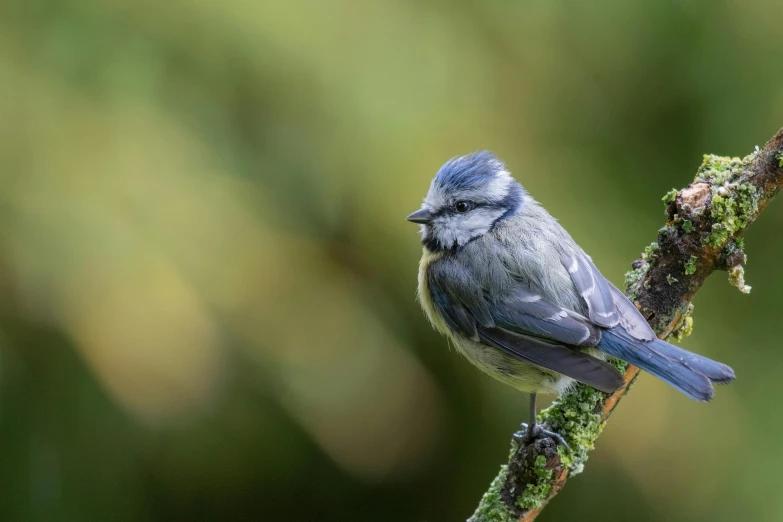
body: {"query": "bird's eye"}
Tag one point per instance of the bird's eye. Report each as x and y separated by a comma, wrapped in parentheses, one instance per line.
(462, 206)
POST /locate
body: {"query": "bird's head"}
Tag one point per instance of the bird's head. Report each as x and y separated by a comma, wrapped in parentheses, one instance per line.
(467, 197)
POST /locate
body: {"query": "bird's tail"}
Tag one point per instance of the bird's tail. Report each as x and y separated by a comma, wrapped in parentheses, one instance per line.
(692, 374)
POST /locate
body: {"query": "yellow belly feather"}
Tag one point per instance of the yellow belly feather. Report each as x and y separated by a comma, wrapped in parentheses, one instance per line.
(425, 296)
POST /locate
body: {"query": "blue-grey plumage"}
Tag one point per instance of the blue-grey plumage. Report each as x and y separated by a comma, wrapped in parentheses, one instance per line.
(522, 301)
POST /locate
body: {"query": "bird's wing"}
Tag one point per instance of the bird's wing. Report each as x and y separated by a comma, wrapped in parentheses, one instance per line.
(526, 312)
(631, 319)
(524, 325)
(458, 298)
(607, 306)
(593, 288)
(567, 361)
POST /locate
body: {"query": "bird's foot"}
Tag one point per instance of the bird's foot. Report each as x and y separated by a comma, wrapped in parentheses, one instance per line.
(527, 435)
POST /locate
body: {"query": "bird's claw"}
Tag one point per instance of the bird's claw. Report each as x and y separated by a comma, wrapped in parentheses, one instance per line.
(526, 435)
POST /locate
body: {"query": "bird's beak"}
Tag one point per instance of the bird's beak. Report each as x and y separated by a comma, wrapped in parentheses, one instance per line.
(422, 217)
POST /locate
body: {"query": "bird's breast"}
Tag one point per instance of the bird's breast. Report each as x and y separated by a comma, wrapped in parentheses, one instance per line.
(424, 293)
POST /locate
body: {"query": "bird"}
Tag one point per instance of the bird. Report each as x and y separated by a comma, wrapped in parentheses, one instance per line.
(509, 287)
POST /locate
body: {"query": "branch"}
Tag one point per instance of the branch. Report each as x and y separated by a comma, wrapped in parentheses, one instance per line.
(703, 234)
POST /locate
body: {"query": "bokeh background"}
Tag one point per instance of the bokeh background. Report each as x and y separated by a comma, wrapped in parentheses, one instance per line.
(207, 283)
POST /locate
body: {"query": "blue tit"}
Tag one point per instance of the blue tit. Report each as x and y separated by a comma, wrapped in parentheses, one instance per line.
(523, 302)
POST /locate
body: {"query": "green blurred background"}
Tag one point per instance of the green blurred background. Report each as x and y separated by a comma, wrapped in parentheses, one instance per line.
(207, 283)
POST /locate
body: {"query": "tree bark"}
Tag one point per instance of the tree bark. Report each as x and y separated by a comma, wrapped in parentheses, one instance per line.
(703, 233)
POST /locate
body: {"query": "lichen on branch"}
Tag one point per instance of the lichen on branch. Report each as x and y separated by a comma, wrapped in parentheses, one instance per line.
(702, 234)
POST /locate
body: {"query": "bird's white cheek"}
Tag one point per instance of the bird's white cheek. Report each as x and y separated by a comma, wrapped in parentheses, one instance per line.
(462, 228)
(480, 221)
(446, 231)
